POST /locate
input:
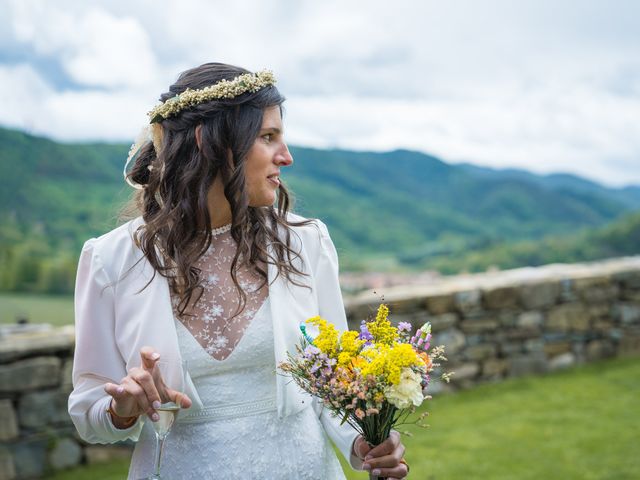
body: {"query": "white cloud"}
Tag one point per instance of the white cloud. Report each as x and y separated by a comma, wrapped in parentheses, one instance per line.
(113, 52)
(94, 47)
(22, 92)
(543, 131)
(93, 115)
(32, 105)
(539, 84)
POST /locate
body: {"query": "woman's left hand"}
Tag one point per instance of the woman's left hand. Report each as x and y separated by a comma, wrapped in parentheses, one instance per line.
(384, 460)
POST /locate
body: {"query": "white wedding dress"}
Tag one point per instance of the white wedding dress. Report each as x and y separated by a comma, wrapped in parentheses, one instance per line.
(238, 434)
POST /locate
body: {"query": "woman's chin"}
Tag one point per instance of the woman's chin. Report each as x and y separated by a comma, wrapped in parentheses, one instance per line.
(266, 201)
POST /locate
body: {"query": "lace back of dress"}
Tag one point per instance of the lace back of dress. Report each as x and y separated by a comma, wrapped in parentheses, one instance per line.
(214, 320)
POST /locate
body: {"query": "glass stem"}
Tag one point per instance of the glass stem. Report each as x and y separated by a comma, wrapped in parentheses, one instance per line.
(376, 477)
(159, 448)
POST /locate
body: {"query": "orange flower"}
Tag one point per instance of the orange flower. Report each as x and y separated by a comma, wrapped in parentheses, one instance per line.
(425, 358)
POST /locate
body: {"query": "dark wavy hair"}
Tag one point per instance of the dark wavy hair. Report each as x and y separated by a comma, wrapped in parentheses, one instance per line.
(176, 180)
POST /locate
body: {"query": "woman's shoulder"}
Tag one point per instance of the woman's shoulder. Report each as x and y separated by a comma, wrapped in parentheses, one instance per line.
(308, 228)
(312, 233)
(119, 234)
(116, 244)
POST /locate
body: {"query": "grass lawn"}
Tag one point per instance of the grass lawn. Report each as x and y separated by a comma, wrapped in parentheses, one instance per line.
(580, 424)
(56, 310)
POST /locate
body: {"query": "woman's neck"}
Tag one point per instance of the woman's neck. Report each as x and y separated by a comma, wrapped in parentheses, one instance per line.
(219, 208)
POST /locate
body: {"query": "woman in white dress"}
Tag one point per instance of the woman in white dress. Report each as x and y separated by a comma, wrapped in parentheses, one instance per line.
(217, 273)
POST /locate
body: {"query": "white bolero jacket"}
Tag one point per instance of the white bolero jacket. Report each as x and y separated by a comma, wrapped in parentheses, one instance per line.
(115, 317)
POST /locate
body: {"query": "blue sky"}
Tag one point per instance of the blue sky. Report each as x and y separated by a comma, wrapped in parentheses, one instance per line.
(543, 85)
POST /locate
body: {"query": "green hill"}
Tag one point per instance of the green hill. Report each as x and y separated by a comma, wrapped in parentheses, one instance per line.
(619, 238)
(397, 209)
(404, 202)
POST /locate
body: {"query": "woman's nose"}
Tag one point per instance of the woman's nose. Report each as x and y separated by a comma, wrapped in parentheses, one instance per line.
(284, 157)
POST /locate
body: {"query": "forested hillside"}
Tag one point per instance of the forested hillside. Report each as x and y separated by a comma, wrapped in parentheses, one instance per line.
(397, 209)
(619, 238)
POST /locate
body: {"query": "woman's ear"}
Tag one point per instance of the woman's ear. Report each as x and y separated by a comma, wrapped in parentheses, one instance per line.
(199, 136)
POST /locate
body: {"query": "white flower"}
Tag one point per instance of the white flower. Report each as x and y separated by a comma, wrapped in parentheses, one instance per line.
(408, 390)
(217, 344)
(216, 310)
(221, 341)
(213, 279)
(248, 286)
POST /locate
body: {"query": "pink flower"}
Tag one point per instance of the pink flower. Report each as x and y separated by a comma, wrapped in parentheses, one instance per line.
(359, 413)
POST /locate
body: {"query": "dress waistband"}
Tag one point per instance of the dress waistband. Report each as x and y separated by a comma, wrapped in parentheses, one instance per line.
(233, 410)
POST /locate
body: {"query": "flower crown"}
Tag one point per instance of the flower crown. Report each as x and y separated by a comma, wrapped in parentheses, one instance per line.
(247, 82)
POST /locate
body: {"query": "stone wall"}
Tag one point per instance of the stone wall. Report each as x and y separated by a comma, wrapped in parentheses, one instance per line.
(494, 325)
(36, 433)
(522, 321)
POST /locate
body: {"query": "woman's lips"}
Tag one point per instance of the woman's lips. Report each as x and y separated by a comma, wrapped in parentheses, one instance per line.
(274, 179)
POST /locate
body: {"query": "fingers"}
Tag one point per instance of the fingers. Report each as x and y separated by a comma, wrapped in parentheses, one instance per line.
(386, 447)
(149, 358)
(360, 447)
(136, 394)
(139, 392)
(122, 404)
(179, 398)
(139, 384)
(399, 471)
(384, 459)
(115, 390)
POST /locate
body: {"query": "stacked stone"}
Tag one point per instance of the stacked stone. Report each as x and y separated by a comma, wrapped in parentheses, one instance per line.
(493, 326)
(525, 321)
(36, 433)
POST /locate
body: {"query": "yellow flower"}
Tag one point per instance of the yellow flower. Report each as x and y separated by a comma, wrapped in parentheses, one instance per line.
(400, 356)
(383, 313)
(389, 362)
(327, 339)
(350, 346)
(376, 361)
(381, 328)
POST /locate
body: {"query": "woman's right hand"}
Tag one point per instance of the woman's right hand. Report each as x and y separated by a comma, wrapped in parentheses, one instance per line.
(139, 393)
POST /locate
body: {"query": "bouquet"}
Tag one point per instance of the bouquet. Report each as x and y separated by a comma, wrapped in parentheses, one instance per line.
(373, 379)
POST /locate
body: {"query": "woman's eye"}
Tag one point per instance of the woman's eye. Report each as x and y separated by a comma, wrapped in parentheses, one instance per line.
(268, 137)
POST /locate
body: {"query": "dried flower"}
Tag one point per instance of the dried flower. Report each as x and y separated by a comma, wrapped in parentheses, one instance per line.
(248, 82)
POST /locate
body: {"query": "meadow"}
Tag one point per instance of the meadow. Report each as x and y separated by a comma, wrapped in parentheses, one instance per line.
(36, 308)
(581, 424)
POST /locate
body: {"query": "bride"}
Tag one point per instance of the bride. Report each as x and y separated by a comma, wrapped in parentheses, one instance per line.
(217, 273)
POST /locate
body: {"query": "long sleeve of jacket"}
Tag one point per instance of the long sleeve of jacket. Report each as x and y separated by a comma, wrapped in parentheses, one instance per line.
(97, 359)
(331, 308)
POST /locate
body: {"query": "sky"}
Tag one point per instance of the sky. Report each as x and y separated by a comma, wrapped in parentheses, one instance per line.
(543, 85)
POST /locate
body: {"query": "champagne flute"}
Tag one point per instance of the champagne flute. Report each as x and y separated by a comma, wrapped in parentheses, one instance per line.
(168, 376)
